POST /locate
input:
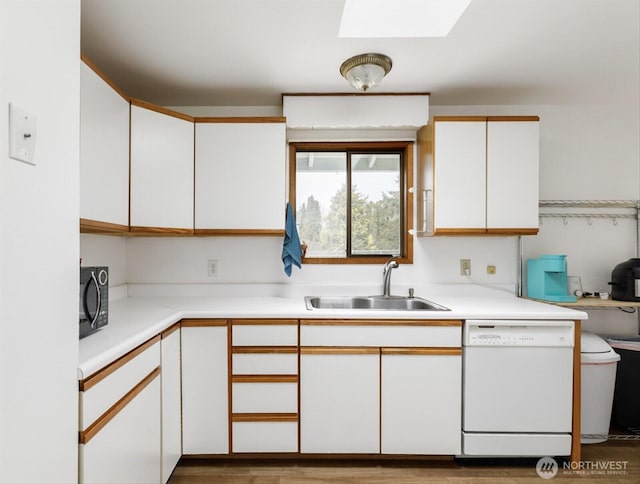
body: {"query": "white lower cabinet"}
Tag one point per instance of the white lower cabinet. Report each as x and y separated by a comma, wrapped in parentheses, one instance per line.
(127, 449)
(171, 406)
(387, 387)
(120, 420)
(205, 387)
(421, 401)
(340, 400)
(266, 436)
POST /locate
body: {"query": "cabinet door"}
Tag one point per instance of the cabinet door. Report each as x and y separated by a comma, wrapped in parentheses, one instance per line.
(339, 401)
(240, 183)
(421, 402)
(205, 389)
(512, 174)
(459, 175)
(104, 150)
(161, 170)
(171, 407)
(127, 448)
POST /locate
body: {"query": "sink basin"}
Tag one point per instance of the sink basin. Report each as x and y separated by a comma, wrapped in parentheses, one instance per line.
(394, 303)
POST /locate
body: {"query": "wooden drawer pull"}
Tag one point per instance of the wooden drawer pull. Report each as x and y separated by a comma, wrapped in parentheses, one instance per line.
(105, 418)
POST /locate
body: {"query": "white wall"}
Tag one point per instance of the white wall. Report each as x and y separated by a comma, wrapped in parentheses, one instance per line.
(39, 71)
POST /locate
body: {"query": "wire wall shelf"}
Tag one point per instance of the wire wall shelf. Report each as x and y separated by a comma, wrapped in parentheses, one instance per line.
(576, 209)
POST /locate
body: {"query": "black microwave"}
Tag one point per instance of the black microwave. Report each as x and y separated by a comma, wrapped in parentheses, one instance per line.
(94, 299)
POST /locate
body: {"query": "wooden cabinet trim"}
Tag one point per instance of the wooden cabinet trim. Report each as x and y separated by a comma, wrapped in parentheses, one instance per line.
(88, 226)
(171, 329)
(101, 374)
(514, 231)
(459, 231)
(380, 322)
(202, 323)
(240, 232)
(264, 417)
(159, 109)
(240, 119)
(339, 350)
(104, 77)
(484, 118)
(422, 351)
(275, 322)
(157, 231)
(257, 350)
(264, 379)
(577, 393)
(86, 435)
(513, 118)
(445, 119)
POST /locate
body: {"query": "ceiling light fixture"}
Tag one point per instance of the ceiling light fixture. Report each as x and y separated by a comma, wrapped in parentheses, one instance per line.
(365, 71)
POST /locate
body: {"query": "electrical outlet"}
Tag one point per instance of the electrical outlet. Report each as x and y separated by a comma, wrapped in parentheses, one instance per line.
(212, 268)
(491, 269)
(465, 267)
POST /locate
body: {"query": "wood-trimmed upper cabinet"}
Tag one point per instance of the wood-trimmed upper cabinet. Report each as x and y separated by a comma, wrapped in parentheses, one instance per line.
(240, 166)
(162, 146)
(104, 152)
(479, 175)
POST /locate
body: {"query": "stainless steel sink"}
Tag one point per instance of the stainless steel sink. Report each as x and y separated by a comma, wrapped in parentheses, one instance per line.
(394, 303)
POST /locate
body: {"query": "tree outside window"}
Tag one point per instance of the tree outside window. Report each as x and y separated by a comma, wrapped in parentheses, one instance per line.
(349, 201)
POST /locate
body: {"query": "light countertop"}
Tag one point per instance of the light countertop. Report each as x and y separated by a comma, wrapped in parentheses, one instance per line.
(134, 320)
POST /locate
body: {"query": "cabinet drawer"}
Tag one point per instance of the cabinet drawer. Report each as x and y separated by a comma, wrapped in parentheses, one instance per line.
(264, 397)
(265, 363)
(265, 333)
(265, 436)
(105, 387)
(381, 333)
(127, 448)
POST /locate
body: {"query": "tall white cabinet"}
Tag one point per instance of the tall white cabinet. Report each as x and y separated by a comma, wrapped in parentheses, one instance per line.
(162, 146)
(240, 182)
(205, 387)
(479, 175)
(104, 151)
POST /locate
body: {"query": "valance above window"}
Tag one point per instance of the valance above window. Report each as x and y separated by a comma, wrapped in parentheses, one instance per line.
(355, 111)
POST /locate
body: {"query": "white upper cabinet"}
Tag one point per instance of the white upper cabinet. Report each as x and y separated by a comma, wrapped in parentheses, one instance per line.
(479, 175)
(512, 174)
(460, 171)
(240, 175)
(104, 150)
(161, 170)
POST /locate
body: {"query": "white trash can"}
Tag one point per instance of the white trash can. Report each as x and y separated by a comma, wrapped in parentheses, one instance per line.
(598, 369)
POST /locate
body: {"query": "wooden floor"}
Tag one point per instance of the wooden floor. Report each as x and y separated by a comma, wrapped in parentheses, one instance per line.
(618, 452)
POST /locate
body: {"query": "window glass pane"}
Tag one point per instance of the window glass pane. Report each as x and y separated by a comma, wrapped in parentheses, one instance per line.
(321, 199)
(375, 204)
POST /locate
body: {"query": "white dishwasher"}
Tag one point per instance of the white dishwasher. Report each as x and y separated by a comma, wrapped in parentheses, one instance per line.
(517, 388)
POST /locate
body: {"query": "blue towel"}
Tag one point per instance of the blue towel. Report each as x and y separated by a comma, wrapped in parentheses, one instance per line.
(291, 250)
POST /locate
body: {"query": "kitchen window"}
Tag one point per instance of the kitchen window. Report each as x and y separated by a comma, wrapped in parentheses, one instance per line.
(352, 201)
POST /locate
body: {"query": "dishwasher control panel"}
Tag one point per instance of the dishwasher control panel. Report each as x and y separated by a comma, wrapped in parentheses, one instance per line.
(518, 333)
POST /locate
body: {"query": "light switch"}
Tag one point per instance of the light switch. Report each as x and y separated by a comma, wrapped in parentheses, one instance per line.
(22, 134)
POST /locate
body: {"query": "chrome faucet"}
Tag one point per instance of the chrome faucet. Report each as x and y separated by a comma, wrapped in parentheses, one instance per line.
(386, 275)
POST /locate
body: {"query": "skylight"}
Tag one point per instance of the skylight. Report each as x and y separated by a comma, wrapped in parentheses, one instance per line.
(400, 18)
